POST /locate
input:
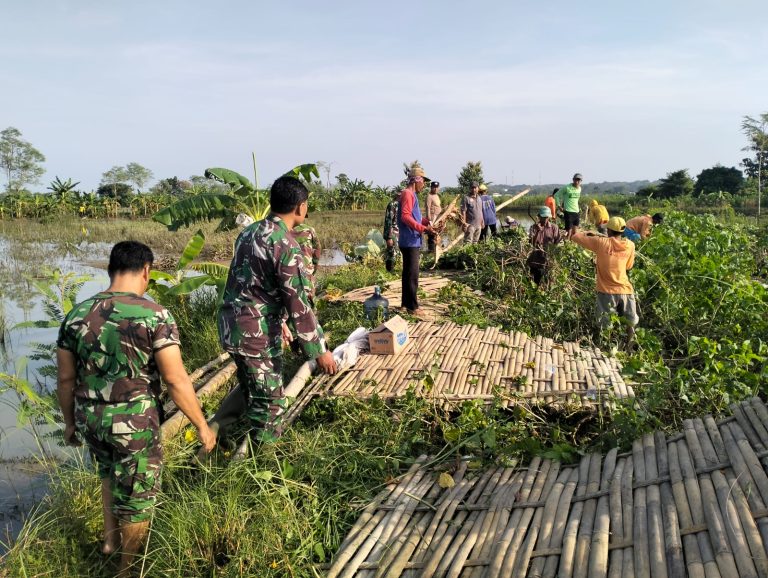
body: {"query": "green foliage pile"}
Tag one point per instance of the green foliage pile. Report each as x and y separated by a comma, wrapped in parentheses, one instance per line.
(702, 340)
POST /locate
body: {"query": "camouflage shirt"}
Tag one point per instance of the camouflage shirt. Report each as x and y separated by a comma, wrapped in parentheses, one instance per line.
(310, 250)
(113, 337)
(390, 220)
(266, 279)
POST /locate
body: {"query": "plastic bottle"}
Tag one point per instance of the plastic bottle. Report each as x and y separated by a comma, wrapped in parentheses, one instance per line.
(376, 307)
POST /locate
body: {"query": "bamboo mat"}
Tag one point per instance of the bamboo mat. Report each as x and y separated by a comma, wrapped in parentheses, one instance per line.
(392, 291)
(692, 504)
(465, 362)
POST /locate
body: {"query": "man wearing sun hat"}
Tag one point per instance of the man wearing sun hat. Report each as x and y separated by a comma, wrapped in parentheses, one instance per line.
(541, 235)
(615, 255)
(411, 226)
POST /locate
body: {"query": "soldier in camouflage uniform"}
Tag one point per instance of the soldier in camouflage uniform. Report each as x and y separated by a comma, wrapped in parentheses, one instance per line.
(391, 232)
(267, 280)
(310, 250)
(112, 350)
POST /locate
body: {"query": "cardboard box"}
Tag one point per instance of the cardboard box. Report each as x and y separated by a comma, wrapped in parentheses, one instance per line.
(390, 337)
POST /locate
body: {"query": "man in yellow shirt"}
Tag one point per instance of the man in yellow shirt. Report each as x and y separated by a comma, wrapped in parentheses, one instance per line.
(598, 216)
(615, 256)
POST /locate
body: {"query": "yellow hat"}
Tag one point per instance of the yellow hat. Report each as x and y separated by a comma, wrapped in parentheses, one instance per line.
(616, 224)
(593, 203)
(483, 188)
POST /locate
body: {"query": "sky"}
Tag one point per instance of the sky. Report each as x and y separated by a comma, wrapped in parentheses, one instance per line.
(535, 90)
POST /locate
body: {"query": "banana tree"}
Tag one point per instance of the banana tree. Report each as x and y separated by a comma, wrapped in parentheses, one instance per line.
(179, 282)
(242, 197)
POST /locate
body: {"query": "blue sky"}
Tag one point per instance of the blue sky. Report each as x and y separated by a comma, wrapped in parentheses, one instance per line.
(537, 91)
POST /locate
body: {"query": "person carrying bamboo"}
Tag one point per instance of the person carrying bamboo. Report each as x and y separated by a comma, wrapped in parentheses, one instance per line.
(411, 226)
(112, 350)
(615, 255)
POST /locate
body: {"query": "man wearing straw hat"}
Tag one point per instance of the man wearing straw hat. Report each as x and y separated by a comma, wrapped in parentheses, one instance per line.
(615, 256)
(411, 226)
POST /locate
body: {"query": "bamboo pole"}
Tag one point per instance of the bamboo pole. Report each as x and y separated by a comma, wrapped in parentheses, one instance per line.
(504, 542)
(519, 558)
(549, 513)
(439, 251)
(714, 520)
(740, 536)
(658, 563)
(674, 544)
(438, 562)
(627, 515)
(572, 527)
(472, 530)
(615, 556)
(559, 525)
(598, 554)
(177, 421)
(369, 542)
(694, 498)
(640, 530)
(584, 537)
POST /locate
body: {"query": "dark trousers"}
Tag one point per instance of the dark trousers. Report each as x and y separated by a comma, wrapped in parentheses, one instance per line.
(488, 232)
(410, 277)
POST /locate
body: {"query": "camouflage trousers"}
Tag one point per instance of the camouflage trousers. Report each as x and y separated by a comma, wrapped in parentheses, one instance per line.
(261, 380)
(124, 441)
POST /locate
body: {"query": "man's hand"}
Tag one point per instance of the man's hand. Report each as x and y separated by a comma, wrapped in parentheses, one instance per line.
(70, 436)
(327, 363)
(207, 437)
(429, 229)
(390, 242)
(287, 335)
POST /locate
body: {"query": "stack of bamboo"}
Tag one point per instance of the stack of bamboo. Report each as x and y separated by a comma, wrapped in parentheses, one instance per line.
(392, 291)
(206, 380)
(465, 362)
(692, 504)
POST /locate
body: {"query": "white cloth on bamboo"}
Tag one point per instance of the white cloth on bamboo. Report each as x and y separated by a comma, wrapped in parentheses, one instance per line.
(347, 353)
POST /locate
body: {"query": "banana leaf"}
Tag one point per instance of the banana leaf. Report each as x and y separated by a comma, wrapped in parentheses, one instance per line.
(190, 284)
(161, 276)
(233, 180)
(202, 207)
(305, 171)
(213, 270)
(192, 250)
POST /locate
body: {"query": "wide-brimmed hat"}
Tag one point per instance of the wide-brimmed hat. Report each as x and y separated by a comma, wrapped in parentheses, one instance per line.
(616, 224)
(545, 212)
(483, 188)
(417, 171)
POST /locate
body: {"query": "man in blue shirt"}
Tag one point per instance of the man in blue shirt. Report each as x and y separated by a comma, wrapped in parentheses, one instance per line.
(489, 214)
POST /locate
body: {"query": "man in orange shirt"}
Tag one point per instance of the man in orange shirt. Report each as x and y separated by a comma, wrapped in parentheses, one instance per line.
(615, 256)
(640, 227)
